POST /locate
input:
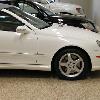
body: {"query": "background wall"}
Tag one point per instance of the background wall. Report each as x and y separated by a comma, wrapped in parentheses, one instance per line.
(96, 11)
(91, 7)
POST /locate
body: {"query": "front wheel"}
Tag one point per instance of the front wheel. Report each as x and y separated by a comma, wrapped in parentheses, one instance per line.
(72, 64)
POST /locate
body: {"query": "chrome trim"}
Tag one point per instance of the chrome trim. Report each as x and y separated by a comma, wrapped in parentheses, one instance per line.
(5, 63)
(15, 53)
(26, 64)
(20, 53)
(39, 54)
(5, 52)
(34, 64)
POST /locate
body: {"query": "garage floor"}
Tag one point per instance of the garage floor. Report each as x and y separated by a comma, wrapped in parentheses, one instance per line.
(35, 85)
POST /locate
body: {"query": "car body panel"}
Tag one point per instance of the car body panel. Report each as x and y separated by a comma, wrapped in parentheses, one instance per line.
(57, 37)
(50, 40)
(18, 48)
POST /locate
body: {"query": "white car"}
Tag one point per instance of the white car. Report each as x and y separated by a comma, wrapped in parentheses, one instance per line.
(27, 42)
(62, 8)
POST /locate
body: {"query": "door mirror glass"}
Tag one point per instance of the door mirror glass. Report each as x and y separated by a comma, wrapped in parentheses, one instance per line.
(23, 29)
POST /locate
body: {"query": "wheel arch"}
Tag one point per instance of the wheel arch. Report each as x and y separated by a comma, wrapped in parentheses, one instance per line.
(70, 47)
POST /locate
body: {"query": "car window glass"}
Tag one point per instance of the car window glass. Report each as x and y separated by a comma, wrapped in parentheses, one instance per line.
(45, 10)
(27, 8)
(8, 23)
(88, 26)
(36, 22)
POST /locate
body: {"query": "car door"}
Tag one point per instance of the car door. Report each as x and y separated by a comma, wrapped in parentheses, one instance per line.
(15, 47)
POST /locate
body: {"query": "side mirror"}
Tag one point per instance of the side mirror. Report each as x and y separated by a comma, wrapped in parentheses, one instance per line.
(23, 29)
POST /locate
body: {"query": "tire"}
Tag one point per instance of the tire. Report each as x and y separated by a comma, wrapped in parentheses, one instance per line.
(72, 64)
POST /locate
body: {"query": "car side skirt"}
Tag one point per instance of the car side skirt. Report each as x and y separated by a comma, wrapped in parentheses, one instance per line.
(25, 66)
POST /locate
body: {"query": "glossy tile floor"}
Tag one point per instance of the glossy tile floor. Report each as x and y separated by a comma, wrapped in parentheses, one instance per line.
(35, 85)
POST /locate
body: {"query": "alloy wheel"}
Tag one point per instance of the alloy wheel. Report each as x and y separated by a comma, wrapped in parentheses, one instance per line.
(71, 64)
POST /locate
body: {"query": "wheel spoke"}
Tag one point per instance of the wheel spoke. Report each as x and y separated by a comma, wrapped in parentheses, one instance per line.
(75, 66)
(77, 61)
(68, 71)
(63, 64)
(76, 69)
(69, 57)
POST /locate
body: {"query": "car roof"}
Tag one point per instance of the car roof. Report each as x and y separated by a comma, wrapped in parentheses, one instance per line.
(2, 6)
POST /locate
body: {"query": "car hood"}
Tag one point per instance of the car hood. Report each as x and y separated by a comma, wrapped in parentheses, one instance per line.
(70, 32)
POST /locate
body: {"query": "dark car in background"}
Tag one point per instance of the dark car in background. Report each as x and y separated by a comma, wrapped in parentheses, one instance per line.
(41, 12)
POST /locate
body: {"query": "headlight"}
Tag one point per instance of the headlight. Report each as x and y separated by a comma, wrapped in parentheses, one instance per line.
(98, 43)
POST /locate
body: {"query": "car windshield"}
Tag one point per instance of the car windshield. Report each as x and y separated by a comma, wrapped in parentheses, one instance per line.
(45, 10)
(36, 22)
